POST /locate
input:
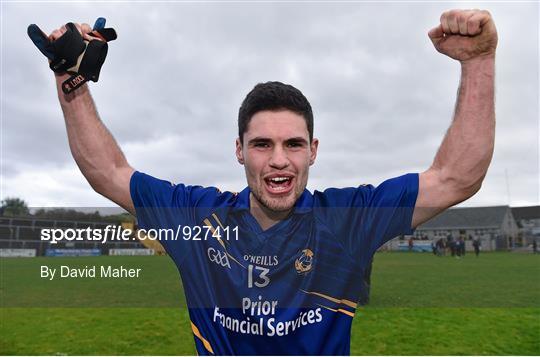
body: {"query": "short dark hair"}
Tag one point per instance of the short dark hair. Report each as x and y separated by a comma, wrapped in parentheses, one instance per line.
(274, 96)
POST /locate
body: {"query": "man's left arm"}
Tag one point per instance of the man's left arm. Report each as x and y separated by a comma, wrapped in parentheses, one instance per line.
(463, 158)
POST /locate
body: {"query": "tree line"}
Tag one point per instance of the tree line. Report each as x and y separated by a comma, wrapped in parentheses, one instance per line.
(16, 207)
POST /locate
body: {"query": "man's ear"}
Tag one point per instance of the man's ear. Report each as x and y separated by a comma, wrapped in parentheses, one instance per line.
(313, 146)
(239, 154)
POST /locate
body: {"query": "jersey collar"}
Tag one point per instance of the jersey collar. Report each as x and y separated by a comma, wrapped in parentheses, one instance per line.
(304, 204)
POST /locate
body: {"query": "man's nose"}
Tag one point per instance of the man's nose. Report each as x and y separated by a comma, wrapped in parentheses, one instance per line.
(279, 159)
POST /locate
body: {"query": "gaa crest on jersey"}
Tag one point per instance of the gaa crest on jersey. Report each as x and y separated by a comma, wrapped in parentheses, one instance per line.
(218, 257)
(304, 262)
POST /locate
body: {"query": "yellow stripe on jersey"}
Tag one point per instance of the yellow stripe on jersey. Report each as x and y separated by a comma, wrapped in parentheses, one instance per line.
(337, 301)
(233, 258)
(204, 341)
(346, 312)
(217, 220)
(213, 230)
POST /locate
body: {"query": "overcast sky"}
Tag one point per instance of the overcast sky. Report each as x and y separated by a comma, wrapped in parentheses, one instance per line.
(173, 81)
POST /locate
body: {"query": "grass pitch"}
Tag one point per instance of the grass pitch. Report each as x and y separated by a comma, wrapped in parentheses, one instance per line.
(420, 304)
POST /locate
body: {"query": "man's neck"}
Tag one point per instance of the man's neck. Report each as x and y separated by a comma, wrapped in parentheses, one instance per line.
(264, 216)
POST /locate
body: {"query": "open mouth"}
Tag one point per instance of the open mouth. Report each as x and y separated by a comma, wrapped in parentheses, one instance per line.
(278, 184)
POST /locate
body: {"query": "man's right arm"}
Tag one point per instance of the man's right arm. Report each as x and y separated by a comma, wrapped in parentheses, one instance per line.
(93, 147)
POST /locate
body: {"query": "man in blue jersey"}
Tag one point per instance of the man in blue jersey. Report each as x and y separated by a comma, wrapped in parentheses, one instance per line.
(277, 269)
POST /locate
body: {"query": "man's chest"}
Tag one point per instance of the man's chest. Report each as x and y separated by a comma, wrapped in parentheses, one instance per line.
(299, 263)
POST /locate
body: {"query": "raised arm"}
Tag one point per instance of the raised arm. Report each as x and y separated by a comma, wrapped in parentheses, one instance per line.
(93, 147)
(463, 158)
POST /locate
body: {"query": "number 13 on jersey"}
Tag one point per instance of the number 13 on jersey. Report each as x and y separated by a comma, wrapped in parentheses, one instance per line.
(261, 276)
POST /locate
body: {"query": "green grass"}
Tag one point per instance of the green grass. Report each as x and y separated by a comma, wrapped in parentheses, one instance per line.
(158, 285)
(420, 304)
(423, 280)
(447, 331)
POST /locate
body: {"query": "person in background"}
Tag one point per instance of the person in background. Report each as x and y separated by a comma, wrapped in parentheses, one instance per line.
(476, 245)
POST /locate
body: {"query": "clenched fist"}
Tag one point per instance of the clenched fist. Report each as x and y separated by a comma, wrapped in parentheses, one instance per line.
(465, 34)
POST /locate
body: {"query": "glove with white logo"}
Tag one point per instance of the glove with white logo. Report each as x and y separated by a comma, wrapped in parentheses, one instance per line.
(74, 54)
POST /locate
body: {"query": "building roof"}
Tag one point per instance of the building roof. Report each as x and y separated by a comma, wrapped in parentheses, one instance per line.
(468, 218)
(527, 212)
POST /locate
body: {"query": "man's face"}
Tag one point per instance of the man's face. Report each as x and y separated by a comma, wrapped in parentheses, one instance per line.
(276, 154)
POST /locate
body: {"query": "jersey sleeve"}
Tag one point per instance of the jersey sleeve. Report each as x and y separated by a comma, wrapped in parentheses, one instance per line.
(366, 217)
(390, 211)
(161, 205)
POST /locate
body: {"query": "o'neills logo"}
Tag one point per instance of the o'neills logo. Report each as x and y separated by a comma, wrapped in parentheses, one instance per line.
(304, 262)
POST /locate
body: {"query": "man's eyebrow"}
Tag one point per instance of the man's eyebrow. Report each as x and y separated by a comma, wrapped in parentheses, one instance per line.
(259, 139)
(298, 139)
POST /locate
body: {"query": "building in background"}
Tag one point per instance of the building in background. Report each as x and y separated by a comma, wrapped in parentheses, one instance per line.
(528, 221)
(495, 227)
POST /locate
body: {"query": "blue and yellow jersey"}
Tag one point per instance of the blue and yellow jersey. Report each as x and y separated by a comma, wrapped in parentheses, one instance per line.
(291, 289)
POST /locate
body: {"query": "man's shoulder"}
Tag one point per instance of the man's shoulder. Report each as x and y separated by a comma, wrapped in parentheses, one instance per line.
(342, 197)
(210, 196)
(180, 194)
(385, 194)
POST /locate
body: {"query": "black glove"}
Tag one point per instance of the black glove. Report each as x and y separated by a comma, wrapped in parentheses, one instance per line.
(72, 54)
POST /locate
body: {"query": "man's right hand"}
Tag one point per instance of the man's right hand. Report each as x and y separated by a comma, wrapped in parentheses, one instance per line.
(84, 30)
(76, 49)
